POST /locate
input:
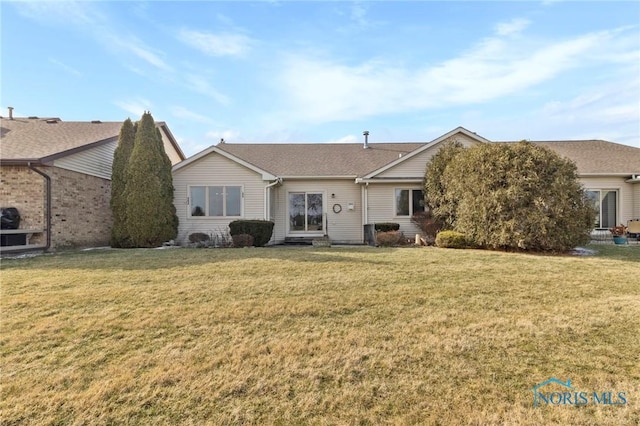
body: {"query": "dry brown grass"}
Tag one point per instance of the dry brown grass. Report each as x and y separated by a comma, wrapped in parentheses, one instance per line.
(337, 336)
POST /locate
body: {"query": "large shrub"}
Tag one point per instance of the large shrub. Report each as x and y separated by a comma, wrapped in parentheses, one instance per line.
(119, 234)
(150, 213)
(440, 203)
(429, 225)
(260, 230)
(518, 196)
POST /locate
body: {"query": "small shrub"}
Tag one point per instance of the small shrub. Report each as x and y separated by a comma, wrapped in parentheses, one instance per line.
(429, 225)
(260, 230)
(387, 226)
(242, 240)
(390, 238)
(199, 237)
(451, 239)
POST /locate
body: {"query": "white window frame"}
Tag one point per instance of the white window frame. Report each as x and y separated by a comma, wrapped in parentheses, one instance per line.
(617, 205)
(395, 202)
(206, 201)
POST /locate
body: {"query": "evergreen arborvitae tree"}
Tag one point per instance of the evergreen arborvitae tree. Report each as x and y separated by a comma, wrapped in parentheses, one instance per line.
(441, 207)
(150, 213)
(118, 184)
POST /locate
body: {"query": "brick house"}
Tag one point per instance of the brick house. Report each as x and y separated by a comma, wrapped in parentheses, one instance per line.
(58, 175)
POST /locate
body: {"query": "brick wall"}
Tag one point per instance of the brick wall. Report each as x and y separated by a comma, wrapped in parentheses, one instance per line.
(80, 214)
(24, 189)
(80, 211)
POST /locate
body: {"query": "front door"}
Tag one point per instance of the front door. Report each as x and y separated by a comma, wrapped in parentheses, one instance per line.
(306, 212)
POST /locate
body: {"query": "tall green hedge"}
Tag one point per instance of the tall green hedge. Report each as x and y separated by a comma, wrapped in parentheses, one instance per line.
(126, 139)
(150, 214)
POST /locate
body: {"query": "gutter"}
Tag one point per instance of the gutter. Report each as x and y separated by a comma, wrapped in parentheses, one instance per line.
(47, 179)
(267, 206)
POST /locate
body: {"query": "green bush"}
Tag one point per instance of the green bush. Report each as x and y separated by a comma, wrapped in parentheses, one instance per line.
(518, 196)
(451, 239)
(390, 238)
(387, 226)
(260, 230)
(242, 240)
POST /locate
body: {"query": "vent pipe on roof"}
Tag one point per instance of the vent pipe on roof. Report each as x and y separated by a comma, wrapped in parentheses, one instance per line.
(10, 113)
(366, 139)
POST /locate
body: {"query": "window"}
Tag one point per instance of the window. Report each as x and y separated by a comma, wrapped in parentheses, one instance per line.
(409, 202)
(215, 201)
(605, 202)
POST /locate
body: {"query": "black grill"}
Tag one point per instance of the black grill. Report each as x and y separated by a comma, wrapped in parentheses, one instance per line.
(9, 218)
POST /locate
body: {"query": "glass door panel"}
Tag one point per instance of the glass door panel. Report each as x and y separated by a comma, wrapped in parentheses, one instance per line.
(306, 212)
(314, 212)
(296, 212)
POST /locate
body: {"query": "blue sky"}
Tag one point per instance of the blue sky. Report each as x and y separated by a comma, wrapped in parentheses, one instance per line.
(282, 71)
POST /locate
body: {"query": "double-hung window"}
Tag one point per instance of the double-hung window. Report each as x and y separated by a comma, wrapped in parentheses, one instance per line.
(409, 201)
(605, 202)
(215, 201)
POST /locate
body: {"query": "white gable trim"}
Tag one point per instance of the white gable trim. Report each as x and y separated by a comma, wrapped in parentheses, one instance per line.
(213, 149)
(425, 147)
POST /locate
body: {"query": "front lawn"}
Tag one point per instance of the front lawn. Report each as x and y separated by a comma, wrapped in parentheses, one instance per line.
(317, 336)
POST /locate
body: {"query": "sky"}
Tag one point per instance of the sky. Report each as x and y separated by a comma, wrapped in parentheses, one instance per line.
(303, 71)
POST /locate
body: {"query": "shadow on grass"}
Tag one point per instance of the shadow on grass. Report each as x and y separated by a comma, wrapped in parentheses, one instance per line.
(153, 259)
(628, 253)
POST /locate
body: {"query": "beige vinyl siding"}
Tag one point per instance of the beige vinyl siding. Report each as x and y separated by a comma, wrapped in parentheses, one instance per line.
(215, 170)
(96, 161)
(169, 149)
(415, 166)
(344, 227)
(381, 203)
(625, 194)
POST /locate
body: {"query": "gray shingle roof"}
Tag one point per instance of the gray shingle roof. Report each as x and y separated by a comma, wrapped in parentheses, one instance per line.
(46, 139)
(325, 159)
(597, 156)
(590, 156)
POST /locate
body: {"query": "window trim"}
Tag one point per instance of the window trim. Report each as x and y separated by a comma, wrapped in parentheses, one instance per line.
(206, 201)
(617, 205)
(395, 203)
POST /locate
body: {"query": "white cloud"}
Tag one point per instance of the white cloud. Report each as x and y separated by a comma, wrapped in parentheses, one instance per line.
(317, 90)
(347, 139)
(90, 18)
(224, 44)
(136, 107)
(201, 85)
(511, 27)
(66, 67)
(228, 135)
(182, 112)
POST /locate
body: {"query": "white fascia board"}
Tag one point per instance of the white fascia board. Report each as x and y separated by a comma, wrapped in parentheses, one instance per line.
(427, 146)
(213, 149)
(317, 177)
(389, 180)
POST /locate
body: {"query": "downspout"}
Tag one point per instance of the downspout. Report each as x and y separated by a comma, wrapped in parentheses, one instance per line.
(267, 203)
(47, 179)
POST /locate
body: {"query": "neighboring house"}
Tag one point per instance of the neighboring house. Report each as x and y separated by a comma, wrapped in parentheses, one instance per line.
(311, 190)
(58, 175)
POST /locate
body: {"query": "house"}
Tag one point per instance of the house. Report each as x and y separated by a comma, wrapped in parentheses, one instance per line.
(57, 174)
(311, 190)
